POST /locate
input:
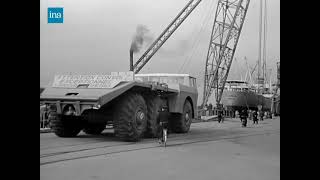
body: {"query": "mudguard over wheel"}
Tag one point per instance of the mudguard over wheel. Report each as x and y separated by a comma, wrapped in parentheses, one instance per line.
(130, 121)
(94, 129)
(154, 105)
(64, 126)
(182, 122)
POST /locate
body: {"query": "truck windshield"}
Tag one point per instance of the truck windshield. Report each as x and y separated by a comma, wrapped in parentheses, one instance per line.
(172, 80)
(163, 79)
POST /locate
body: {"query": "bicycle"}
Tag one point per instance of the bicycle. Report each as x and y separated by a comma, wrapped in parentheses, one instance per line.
(164, 134)
(163, 123)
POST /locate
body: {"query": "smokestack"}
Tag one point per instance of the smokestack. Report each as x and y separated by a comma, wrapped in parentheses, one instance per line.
(140, 37)
(131, 60)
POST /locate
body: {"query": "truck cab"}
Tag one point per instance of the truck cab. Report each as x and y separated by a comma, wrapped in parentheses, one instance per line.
(171, 79)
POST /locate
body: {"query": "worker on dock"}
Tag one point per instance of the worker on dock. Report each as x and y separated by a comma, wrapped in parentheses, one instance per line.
(255, 117)
(237, 113)
(243, 117)
(220, 115)
(250, 114)
(210, 109)
(261, 114)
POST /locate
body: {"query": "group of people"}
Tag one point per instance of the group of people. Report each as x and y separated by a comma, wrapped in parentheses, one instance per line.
(253, 115)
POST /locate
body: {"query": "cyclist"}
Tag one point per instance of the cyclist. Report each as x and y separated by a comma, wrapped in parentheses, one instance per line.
(163, 122)
(220, 115)
(243, 117)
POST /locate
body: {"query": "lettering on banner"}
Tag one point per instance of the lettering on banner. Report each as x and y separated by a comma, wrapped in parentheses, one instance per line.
(94, 81)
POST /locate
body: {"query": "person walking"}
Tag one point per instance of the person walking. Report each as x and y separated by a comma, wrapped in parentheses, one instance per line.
(210, 109)
(261, 114)
(237, 113)
(223, 115)
(266, 115)
(220, 115)
(255, 117)
(243, 117)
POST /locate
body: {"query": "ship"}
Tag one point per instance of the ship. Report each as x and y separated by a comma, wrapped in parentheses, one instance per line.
(239, 94)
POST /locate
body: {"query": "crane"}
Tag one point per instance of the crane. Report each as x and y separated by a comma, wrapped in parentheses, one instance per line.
(227, 26)
(228, 22)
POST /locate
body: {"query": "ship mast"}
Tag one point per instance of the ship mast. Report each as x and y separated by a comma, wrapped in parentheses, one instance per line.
(262, 65)
(265, 41)
(259, 54)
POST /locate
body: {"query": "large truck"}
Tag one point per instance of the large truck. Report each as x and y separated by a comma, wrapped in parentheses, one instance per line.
(130, 102)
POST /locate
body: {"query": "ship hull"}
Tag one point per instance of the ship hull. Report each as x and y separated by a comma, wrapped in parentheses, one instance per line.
(238, 100)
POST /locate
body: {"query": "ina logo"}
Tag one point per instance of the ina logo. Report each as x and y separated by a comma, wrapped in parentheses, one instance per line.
(55, 15)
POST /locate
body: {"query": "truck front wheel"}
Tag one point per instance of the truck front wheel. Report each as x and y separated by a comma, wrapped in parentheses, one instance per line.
(130, 121)
(183, 121)
(64, 126)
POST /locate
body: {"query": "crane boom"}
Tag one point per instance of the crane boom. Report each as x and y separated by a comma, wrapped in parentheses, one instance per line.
(183, 14)
(225, 34)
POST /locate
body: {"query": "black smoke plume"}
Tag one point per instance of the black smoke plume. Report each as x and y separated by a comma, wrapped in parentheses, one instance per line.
(141, 36)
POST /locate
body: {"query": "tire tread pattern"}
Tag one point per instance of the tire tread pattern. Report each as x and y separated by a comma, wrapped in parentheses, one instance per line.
(124, 127)
(179, 125)
(63, 128)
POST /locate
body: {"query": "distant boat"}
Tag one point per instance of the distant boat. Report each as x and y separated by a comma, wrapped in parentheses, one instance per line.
(238, 95)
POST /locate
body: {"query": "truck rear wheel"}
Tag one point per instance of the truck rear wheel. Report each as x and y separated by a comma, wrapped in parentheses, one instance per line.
(153, 106)
(183, 121)
(64, 127)
(130, 121)
(94, 129)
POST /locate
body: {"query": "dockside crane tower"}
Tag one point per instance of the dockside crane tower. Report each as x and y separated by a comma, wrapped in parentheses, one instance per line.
(227, 26)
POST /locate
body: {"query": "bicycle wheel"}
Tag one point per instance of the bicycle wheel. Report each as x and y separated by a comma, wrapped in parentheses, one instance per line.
(165, 137)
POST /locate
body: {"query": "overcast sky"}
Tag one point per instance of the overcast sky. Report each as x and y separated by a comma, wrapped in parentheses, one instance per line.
(96, 37)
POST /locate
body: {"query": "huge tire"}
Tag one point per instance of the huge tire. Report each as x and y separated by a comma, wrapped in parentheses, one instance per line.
(64, 126)
(182, 122)
(154, 105)
(130, 121)
(94, 129)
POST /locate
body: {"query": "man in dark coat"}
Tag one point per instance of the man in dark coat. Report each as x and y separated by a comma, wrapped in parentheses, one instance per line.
(220, 115)
(243, 117)
(255, 117)
(210, 109)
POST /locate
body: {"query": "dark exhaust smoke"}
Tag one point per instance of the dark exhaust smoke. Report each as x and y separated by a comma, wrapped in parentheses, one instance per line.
(140, 37)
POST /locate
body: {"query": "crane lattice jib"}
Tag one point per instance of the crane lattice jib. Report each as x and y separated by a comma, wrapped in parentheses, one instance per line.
(225, 34)
(184, 13)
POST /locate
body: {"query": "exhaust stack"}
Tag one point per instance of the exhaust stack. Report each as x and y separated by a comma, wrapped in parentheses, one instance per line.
(131, 60)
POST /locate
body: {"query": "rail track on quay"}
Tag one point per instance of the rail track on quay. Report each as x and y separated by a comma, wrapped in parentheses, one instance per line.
(106, 144)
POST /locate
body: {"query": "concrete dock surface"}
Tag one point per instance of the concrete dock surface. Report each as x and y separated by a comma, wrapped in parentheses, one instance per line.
(211, 150)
